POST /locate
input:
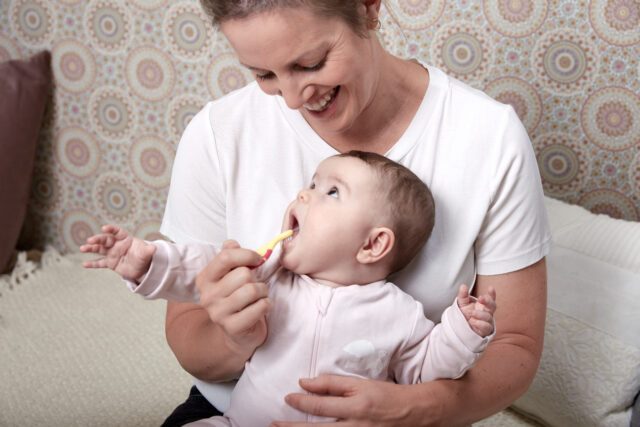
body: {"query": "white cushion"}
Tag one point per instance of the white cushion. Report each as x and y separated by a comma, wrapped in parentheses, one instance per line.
(590, 369)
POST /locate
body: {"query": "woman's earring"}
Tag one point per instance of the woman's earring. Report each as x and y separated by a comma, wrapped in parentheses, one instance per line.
(375, 24)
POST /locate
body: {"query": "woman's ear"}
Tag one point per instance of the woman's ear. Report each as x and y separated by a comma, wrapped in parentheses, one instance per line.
(371, 9)
(377, 245)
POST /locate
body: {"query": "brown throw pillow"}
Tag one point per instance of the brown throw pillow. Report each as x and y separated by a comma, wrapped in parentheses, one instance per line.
(24, 91)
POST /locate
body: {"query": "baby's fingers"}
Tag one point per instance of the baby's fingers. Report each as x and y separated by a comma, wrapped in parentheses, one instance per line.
(95, 263)
(463, 296)
(481, 328)
(488, 301)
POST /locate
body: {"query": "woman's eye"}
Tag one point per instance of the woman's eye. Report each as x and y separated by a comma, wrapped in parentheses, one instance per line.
(333, 192)
(315, 67)
(265, 76)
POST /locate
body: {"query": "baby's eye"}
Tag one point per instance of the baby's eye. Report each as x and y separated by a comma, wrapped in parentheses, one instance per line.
(333, 192)
(312, 186)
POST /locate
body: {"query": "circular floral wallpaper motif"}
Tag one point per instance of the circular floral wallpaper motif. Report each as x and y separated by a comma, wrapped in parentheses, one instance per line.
(524, 99)
(150, 73)
(225, 74)
(116, 198)
(562, 163)
(107, 26)
(187, 31)
(148, 230)
(516, 18)
(616, 21)
(33, 22)
(416, 14)
(8, 49)
(77, 152)
(149, 5)
(610, 202)
(112, 113)
(565, 61)
(74, 66)
(131, 74)
(76, 226)
(635, 173)
(150, 159)
(46, 191)
(461, 49)
(180, 111)
(611, 118)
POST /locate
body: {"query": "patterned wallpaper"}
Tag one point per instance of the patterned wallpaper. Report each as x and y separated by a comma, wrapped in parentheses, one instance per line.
(131, 74)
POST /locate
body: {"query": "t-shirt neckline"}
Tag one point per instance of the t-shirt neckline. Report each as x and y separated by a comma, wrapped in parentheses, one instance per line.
(410, 137)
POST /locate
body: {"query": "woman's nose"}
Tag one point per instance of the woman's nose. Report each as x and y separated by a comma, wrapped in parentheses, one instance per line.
(295, 94)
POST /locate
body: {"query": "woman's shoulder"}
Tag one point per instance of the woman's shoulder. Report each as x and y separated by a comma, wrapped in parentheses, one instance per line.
(463, 98)
(238, 101)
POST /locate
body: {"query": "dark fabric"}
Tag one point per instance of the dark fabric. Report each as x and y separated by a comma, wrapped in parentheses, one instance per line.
(196, 407)
(24, 91)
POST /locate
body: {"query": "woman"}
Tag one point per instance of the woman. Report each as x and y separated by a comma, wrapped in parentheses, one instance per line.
(324, 84)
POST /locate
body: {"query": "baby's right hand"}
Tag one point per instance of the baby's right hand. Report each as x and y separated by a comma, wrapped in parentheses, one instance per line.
(128, 256)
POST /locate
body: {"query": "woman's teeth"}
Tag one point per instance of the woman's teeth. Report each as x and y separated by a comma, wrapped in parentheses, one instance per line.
(321, 104)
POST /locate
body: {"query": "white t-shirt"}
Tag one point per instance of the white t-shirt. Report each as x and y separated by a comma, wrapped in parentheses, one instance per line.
(244, 157)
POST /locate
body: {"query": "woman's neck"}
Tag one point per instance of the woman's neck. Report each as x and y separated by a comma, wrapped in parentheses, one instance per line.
(401, 88)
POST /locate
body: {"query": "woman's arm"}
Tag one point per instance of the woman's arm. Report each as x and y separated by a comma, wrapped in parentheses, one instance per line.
(503, 373)
(213, 339)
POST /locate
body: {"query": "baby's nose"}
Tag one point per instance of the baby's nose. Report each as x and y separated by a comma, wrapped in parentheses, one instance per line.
(303, 195)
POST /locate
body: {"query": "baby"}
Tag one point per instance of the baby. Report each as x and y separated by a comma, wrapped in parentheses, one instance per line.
(362, 218)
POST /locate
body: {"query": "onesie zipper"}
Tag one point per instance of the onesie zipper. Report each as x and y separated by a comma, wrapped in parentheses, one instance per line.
(322, 303)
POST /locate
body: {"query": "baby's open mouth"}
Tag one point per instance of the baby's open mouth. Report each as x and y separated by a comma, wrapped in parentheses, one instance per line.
(294, 225)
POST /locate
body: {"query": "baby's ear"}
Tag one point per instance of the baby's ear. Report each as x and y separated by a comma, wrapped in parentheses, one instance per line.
(377, 245)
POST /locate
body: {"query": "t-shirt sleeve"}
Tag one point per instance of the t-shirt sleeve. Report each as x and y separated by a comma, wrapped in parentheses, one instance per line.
(195, 207)
(515, 233)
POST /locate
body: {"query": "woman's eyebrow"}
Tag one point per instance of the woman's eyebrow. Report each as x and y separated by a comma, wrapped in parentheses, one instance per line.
(311, 52)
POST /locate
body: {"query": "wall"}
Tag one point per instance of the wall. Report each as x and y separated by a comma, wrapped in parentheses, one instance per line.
(130, 75)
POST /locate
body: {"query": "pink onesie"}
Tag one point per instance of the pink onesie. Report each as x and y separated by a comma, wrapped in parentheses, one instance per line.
(374, 331)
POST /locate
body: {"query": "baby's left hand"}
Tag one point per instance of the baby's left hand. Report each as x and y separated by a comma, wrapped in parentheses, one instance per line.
(478, 311)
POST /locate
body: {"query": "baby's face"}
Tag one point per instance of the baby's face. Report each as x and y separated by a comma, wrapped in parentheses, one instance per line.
(332, 218)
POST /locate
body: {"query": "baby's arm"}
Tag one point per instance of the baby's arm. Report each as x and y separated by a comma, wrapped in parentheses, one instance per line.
(128, 256)
(152, 269)
(448, 349)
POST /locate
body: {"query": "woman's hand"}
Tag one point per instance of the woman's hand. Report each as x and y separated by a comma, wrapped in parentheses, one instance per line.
(501, 375)
(233, 299)
(358, 402)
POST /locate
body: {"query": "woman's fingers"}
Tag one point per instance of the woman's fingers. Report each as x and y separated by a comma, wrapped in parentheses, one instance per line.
(244, 320)
(228, 259)
(222, 303)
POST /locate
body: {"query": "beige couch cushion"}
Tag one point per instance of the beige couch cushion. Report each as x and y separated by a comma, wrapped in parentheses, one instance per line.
(590, 369)
(79, 350)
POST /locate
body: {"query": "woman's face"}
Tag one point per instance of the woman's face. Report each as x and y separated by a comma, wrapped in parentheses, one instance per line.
(319, 65)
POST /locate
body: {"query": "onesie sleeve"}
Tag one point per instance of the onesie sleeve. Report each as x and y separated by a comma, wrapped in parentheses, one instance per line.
(173, 271)
(195, 207)
(446, 350)
(515, 232)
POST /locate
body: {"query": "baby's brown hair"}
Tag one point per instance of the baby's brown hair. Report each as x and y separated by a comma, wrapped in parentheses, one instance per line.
(410, 206)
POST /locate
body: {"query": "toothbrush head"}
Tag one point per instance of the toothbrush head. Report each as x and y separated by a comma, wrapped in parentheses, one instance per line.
(266, 250)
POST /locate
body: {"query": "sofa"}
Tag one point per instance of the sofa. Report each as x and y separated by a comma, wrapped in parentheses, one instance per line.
(79, 349)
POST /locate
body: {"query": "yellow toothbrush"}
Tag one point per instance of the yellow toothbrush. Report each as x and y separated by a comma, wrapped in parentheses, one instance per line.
(266, 250)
